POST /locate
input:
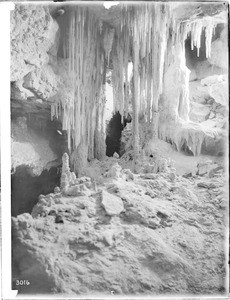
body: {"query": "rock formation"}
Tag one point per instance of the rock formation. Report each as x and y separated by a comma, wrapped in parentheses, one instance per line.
(150, 219)
(161, 233)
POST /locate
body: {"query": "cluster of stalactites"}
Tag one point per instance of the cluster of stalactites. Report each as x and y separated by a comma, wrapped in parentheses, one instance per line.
(83, 49)
(141, 38)
(195, 29)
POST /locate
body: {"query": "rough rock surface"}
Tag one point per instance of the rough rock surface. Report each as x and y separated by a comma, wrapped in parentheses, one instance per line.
(199, 112)
(33, 33)
(35, 82)
(217, 88)
(43, 82)
(168, 240)
(113, 205)
(209, 101)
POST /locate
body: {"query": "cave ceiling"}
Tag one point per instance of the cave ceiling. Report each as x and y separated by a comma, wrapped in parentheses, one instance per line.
(183, 11)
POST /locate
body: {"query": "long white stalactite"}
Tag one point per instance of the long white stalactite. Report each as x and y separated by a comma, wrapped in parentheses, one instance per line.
(195, 29)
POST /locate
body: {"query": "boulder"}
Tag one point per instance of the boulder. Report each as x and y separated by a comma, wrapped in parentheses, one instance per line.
(205, 167)
(112, 204)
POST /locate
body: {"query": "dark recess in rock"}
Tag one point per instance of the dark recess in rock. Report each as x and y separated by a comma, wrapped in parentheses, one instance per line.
(25, 188)
(113, 133)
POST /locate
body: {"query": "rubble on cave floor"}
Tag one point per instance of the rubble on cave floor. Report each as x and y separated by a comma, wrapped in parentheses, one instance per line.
(146, 233)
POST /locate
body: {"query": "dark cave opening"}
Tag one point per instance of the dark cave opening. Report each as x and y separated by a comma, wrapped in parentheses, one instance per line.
(113, 133)
(26, 188)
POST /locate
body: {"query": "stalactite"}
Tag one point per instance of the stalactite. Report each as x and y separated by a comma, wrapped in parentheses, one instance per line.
(146, 36)
(82, 48)
(195, 29)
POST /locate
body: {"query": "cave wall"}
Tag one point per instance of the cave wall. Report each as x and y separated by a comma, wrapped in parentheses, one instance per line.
(41, 84)
(33, 32)
(33, 84)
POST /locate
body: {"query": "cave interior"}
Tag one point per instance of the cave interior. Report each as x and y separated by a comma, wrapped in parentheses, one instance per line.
(100, 96)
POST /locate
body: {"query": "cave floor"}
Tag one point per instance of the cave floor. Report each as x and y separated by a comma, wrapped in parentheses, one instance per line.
(161, 235)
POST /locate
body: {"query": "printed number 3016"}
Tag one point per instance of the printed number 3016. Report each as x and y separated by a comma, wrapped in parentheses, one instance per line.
(22, 282)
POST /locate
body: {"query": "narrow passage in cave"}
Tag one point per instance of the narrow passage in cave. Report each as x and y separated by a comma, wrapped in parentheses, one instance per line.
(114, 129)
(114, 132)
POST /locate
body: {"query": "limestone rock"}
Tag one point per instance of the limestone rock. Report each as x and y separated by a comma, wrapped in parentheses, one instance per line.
(116, 155)
(197, 93)
(217, 88)
(203, 69)
(19, 92)
(42, 82)
(212, 115)
(205, 167)
(198, 112)
(115, 171)
(33, 33)
(112, 204)
(129, 174)
(24, 221)
(187, 175)
(219, 50)
(90, 248)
